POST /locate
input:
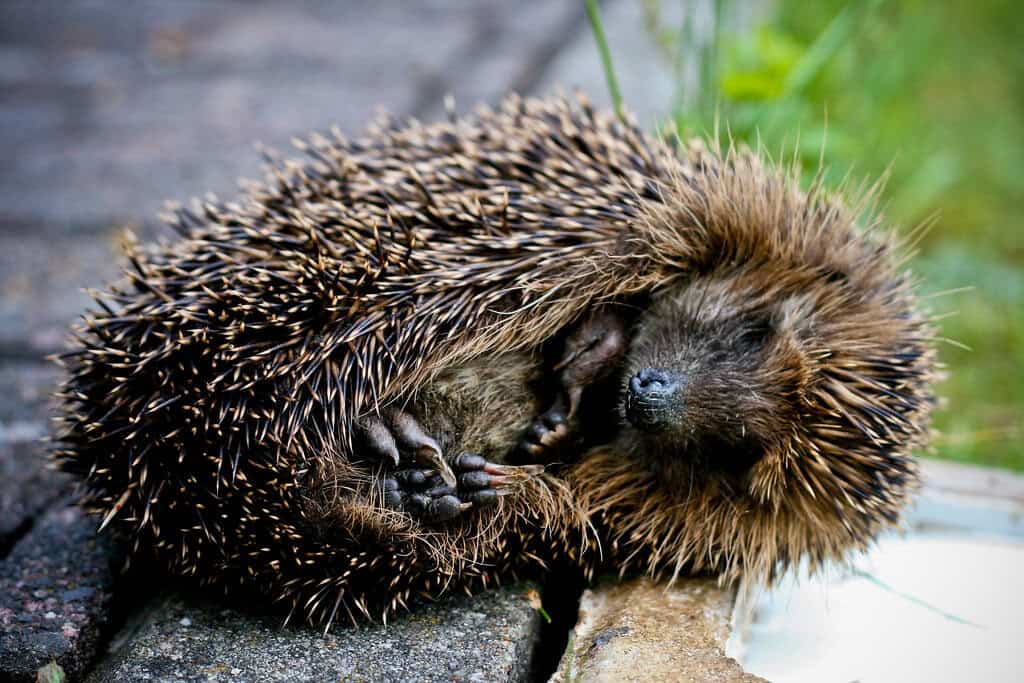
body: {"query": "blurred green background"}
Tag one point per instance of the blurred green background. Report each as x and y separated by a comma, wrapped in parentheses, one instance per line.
(933, 93)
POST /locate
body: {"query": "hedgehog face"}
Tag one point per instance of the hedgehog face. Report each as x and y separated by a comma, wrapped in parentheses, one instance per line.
(708, 373)
(744, 374)
(713, 375)
(773, 411)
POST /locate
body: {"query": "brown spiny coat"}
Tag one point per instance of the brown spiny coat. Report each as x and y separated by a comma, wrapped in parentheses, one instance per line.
(211, 395)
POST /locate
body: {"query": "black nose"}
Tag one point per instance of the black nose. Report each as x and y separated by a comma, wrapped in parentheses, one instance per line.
(650, 398)
(651, 384)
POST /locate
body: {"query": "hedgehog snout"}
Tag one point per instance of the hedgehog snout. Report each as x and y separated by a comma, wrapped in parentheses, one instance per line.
(651, 398)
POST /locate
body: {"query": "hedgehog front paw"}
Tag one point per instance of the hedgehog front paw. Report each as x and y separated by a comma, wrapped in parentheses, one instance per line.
(591, 350)
(546, 435)
(396, 433)
(425, 495)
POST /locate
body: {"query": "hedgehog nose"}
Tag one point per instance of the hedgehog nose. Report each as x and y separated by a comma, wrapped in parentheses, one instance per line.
(650, 383)
(650, 396)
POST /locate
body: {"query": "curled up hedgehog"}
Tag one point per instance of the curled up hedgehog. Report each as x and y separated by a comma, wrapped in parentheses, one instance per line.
(446, 355)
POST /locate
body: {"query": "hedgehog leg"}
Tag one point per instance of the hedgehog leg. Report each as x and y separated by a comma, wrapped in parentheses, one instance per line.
(377, 440)
(591, 351)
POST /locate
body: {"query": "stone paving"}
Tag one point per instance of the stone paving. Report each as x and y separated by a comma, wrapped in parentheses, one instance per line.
(639, 630)
(485, 638)
(57, 594)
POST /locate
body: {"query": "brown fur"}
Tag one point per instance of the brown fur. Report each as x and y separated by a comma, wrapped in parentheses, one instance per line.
(210, 399)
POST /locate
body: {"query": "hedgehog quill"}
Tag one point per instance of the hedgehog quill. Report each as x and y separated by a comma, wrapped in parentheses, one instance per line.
(443, 356)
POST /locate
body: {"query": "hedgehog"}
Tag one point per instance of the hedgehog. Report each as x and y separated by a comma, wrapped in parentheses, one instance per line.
(446, 356)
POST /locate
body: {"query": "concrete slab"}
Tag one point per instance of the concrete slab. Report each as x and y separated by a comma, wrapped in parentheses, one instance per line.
(489, 637)
(56, 593)
(640, 630)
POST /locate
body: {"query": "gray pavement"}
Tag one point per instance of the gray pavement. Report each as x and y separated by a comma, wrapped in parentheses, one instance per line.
(485, 638)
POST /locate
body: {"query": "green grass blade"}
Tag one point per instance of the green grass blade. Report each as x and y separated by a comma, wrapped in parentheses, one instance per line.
(594, 15)
(835, 36)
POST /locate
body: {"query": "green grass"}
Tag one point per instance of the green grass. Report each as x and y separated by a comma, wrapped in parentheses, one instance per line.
(933, 94)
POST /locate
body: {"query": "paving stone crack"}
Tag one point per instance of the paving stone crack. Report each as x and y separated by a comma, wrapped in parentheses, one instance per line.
(537, 64)
(561, 592)
(9, 540)
(435, 87)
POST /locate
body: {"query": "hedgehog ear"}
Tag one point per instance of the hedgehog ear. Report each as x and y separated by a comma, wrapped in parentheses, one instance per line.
(793, 359)
(766, 480)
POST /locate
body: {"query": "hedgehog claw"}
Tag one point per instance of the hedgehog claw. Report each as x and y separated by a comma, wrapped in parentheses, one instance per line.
(424, 449)
(488, 480)
(514, 471)
(397, 434)
(433, 457)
